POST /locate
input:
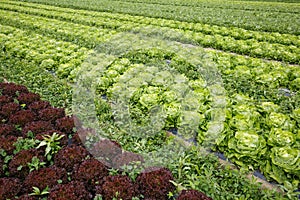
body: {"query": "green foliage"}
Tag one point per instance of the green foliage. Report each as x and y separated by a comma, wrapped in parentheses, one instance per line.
(25, 144)
(98, 197)
(287, 158)
(38, 192)
(132, 170)
(35, 164)
(194, 170)
(247, 144)
(52, 144)
(271, 16)
(257, 118)
(6, 158)
(21, 71)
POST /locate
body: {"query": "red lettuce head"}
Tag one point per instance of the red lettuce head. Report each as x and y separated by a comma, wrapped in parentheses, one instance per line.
(7, 143)
(9, 109)
(70, 191)
(69, 156)
(28, 98)
(10, 187)
(12, 89)
(119, 186)
(38, 105)
(22, 159)
(4, 99)
(51, 114)
(37, 127)
(76, 139)
(65, 124)
(90, 172)
(44, 177)
(22, 117)
(27, 197)
(192, 195)
(8, 129)
(154, 183)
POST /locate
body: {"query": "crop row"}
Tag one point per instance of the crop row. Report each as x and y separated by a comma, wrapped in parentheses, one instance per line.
(80, 34)
(266, 6)
(60, 13)
(281, 1)
(52, 55)
(260, 79)
(250, 47)
(245, 47)
(253, 20)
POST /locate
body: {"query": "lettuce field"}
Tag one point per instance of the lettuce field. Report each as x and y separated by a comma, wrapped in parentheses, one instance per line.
(150, 99)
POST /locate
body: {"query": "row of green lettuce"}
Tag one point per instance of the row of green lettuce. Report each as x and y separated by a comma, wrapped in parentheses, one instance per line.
(192, 169)
(269, 20)
(226, 5)
(86, 36)
(53, 55)
(252, 47)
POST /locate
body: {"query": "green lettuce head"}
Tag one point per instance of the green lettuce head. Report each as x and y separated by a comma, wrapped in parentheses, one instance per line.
(296, 115)
(247, 144)
(286, 157)
(149, 100)
(162, 78)
(279, 137)
(172, 111)
(243, 122)
(170, 96)
(279, 120)
(268, 107)
(296, 84)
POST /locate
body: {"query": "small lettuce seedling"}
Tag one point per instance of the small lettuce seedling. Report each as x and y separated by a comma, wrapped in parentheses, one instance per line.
(38, 192)
(52, 144)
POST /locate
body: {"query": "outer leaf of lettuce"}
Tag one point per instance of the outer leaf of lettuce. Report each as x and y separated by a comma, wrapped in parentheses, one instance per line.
(197, 84)
(296, 84)
(189, 122)
(274, 172)
(170, 96)
(172, 111)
